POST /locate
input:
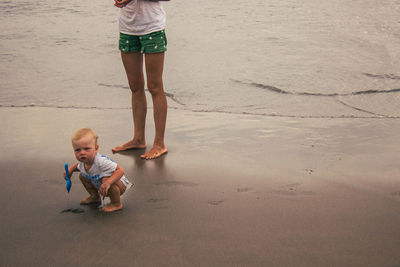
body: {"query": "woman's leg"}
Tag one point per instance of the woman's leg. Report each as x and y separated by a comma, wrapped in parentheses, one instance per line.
(154, 63)
(133, 63)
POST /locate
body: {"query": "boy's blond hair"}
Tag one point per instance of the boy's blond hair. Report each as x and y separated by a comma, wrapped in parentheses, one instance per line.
(84, 132)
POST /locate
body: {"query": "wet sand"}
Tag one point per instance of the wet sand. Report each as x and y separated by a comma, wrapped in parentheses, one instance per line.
(283, 130)
(234, 190)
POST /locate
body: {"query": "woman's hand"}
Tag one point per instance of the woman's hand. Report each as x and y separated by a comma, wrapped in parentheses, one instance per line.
(121, 3)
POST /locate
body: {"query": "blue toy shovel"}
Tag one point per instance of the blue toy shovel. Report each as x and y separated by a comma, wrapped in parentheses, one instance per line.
(67, 177)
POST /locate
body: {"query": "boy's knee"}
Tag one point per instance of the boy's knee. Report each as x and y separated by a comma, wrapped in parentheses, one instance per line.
(114, 190)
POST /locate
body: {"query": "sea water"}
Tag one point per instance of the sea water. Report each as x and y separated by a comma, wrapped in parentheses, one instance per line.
(304, 59)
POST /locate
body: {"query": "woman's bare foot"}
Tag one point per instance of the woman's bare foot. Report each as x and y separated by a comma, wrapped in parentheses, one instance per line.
(111, 207)
(132, 144)
(90, 200)
(155, 152)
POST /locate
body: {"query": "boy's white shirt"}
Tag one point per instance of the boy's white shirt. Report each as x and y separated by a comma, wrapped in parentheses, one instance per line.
(102, 167)
(141, 17)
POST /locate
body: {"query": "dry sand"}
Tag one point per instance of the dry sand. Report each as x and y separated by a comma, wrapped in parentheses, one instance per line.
(234, 190)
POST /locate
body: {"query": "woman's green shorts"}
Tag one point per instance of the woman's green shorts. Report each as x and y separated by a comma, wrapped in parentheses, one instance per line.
(155, 42)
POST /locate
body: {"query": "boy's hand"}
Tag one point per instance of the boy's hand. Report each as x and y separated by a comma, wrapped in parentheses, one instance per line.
(121, 3)
(71, 170)
(104, 188)
(65, 175)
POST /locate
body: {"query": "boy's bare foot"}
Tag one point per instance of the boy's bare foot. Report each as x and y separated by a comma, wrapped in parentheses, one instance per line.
(132, 144)
(90, 200)
(155, 152)
(111, 207)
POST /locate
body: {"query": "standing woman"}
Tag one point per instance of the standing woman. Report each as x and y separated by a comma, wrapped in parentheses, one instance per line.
(143, 39)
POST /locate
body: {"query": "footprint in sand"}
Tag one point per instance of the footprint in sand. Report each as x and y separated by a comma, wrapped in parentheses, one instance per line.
(156, 200)
(177, 183)
(244, 189)
(292, 190)
(215, 202)
(77, 210)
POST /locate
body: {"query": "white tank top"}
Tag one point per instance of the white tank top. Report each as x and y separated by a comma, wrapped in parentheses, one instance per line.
(141, 17)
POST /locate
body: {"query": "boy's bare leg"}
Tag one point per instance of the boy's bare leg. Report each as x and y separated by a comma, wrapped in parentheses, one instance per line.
(154, 69)
(115, 192)
(133, 63)
(93, 193)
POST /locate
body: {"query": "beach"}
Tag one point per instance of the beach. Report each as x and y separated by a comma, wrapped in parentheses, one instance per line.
(284, 155)
(277, 192)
